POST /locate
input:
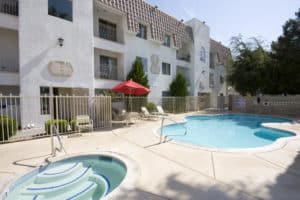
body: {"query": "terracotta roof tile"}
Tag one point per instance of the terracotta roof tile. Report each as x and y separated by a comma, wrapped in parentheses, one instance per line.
(160, 23)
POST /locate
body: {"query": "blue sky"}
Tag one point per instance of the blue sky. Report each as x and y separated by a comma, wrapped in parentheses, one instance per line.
(227, 18)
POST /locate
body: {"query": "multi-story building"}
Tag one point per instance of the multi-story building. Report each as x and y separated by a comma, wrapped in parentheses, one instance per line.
(76, 47)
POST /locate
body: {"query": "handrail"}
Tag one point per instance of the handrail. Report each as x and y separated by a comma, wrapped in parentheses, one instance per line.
(59, 140)
(162, 126)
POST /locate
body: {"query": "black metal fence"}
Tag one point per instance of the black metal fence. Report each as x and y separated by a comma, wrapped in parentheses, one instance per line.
(9, 7)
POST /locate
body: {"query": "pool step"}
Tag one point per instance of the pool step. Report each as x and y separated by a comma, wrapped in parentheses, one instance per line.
(102, 182)
(62, 185)
(57, 173)
(83, 191)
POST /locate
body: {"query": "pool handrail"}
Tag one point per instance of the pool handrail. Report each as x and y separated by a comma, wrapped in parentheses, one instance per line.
(162, 126)
(61, 148)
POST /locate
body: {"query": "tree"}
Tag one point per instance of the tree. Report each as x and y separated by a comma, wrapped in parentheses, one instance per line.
(286, 50)
(178, 87)
(137, 73)
(248, 73)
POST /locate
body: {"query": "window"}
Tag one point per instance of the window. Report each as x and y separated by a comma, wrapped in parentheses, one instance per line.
(212, 61)
(44, 100)
(218, 58)
(108, 68)
(142, 31)
(211, 80)
(167, 41)
(222, 79)
(166, 68)
(61, 8)
(145, 63)
(107, 30)
(166, 93)
(202, 54)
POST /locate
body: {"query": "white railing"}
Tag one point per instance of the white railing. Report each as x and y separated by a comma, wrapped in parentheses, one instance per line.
(32, 117)
(162, 128)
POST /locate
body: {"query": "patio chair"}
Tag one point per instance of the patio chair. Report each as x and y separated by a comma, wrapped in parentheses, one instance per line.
(161, 110)
(83, 122)
(147, 115)
(123, 118)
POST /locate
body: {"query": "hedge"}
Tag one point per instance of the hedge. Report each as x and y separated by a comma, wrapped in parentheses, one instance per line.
(73, 124)
(62, 125)
(8, 127)
(151, 107)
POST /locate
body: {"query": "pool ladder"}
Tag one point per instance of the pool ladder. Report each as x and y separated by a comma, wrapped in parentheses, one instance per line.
(162, 128)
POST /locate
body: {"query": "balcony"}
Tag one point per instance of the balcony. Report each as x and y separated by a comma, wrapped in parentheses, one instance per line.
(10, 7)
(9, 65)
(9, 72)
(107, 72)
(107, 30)
(183, 56)
(185, 72)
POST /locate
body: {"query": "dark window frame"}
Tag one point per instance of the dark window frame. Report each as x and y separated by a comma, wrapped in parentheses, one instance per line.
(166, 68)
(45, 100)
(142, 59)
(105, 71)
(54, 9)
(143, 34)
(203, 54)
(167, 40)
(111, 30)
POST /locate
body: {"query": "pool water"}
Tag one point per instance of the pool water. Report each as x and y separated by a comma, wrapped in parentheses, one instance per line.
(85, 177)
(228, 131)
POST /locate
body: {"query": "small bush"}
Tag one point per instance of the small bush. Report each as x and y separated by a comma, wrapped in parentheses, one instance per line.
(8, 127)
(62, 125)
(151, 107)
(73, 124)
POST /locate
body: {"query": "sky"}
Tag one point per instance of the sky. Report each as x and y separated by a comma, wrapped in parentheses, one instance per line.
(227, 18)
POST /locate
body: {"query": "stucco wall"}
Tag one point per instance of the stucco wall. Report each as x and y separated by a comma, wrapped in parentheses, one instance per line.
(146, 48)
(37, 25)
(200, 69)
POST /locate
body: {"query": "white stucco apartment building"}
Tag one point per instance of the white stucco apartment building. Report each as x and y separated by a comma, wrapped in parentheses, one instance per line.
(81, 47)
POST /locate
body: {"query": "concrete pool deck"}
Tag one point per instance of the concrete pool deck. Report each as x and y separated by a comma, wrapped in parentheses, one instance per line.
(173, 171)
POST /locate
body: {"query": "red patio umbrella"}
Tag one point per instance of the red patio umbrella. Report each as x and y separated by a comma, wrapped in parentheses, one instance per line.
(131, 87)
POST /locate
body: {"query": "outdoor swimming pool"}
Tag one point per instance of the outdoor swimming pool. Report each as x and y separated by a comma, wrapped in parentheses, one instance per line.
(229, 131)
(84, 177)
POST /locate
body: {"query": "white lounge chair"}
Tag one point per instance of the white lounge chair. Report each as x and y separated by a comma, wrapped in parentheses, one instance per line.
(147, 115)
(160, 110)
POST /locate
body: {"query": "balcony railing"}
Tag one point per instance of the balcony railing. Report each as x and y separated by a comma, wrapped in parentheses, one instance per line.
(7, 65)
(107, 31)
(107, 72)
(9, 7)
(182, 56)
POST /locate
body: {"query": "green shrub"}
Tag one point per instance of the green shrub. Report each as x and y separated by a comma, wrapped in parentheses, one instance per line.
(8, 127)
(73, 124)
(61, 123)
(151, 107)
(178, 88)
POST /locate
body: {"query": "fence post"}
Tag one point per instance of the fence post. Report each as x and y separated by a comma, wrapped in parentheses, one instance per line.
(51, 131)
(173, 104)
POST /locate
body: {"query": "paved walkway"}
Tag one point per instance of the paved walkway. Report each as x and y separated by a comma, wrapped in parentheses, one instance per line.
(171, 171)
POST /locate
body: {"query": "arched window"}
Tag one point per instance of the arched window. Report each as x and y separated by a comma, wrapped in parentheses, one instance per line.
(202, 54)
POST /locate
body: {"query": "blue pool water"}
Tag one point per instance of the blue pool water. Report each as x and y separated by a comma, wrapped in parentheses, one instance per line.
(84, 177)
(226, 131)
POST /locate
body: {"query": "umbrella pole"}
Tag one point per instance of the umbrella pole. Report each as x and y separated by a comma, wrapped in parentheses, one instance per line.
(130, 99)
